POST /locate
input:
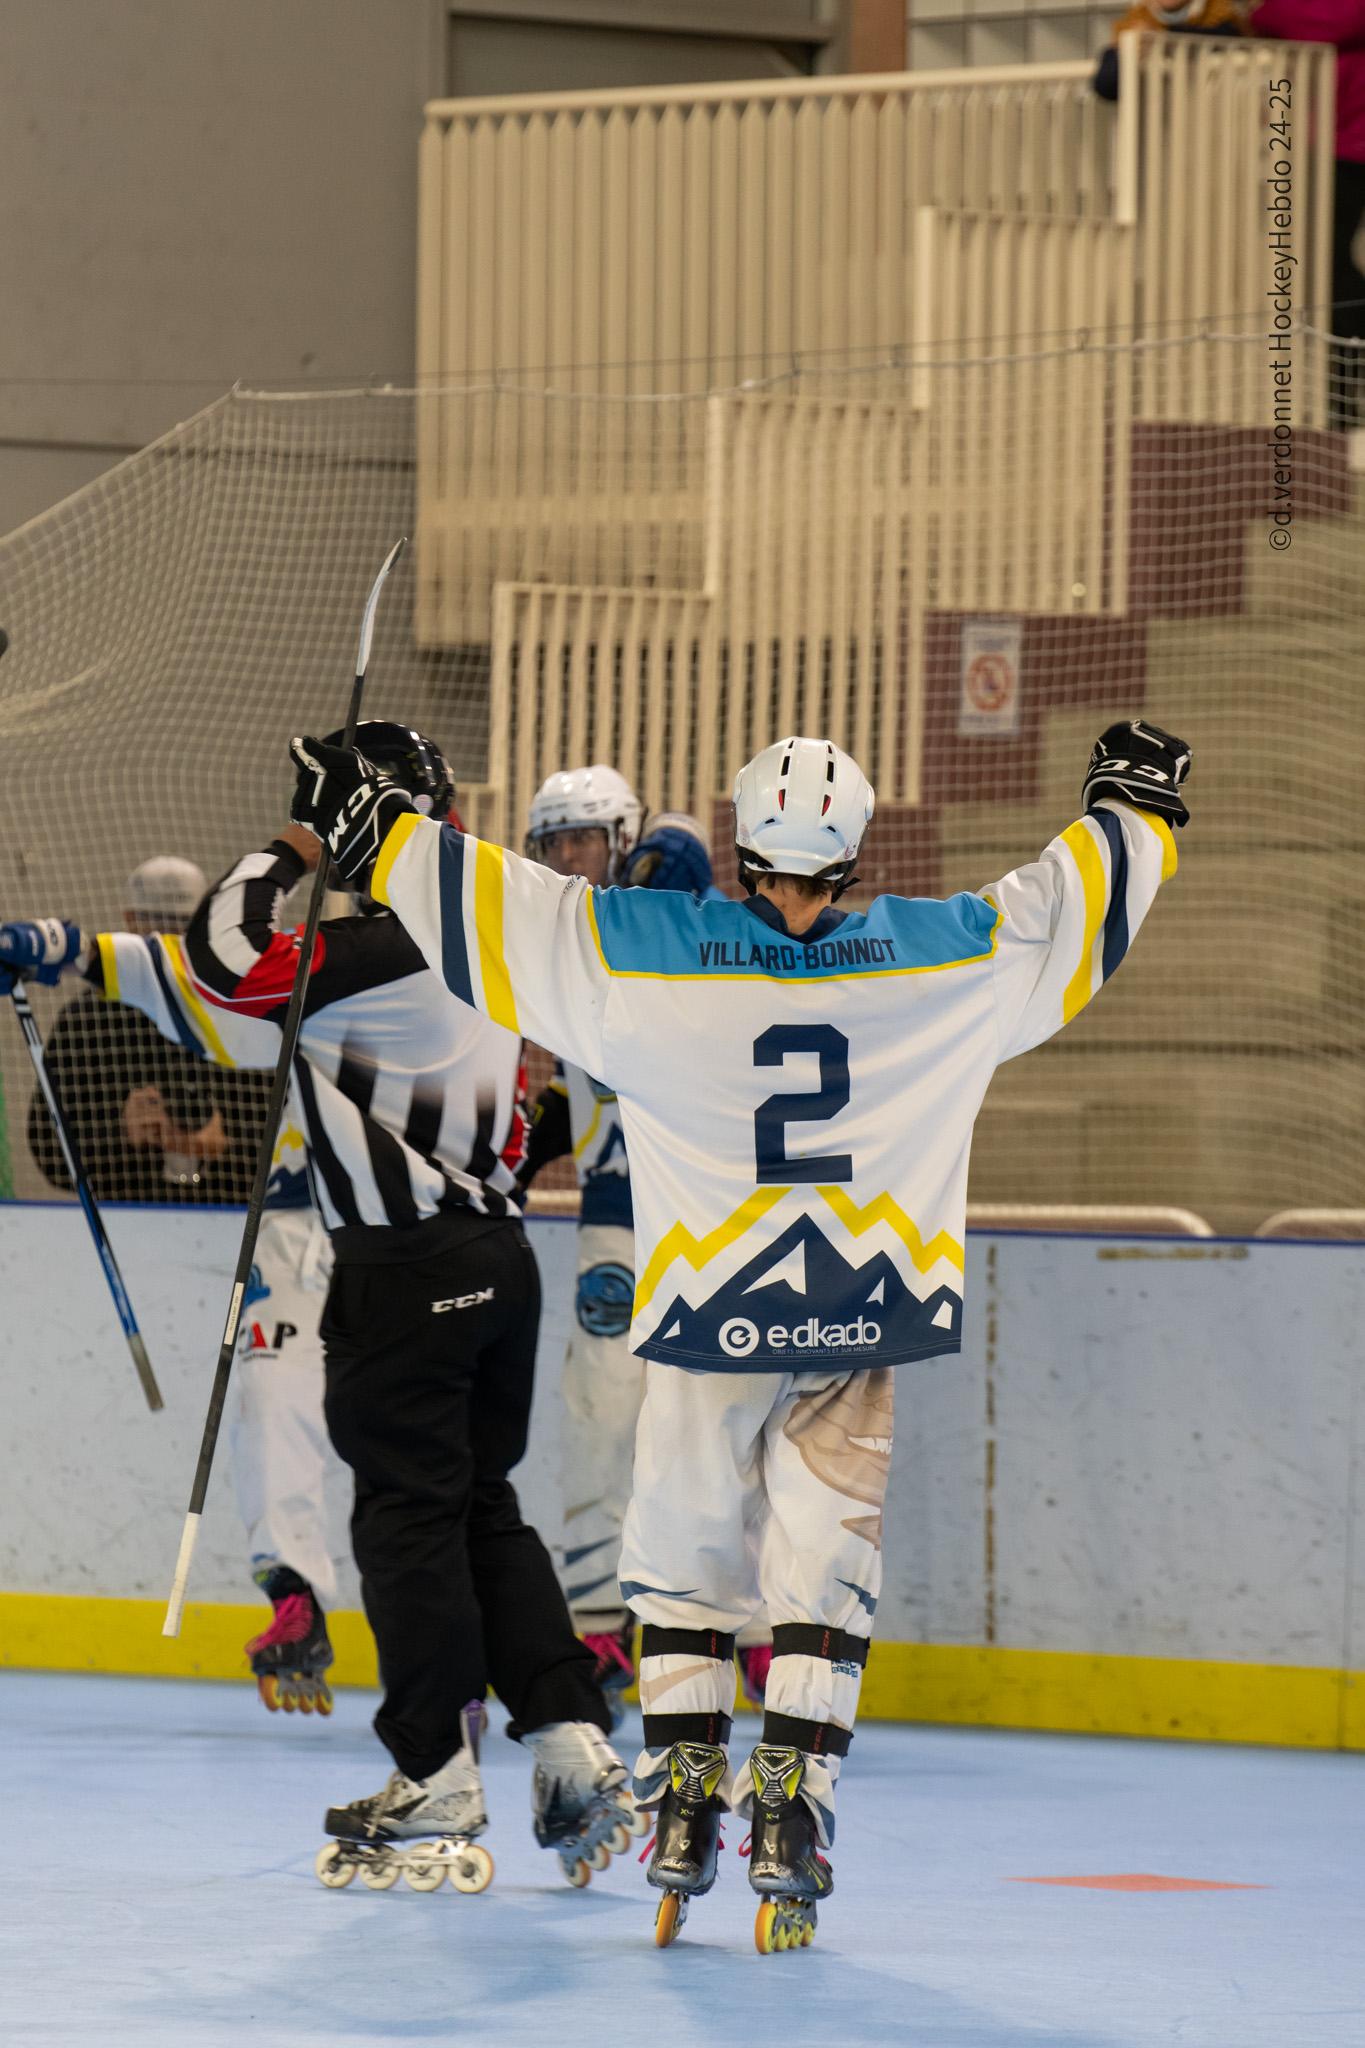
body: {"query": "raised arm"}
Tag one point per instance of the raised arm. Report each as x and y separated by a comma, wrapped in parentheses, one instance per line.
(506, 935)
(1067, 919)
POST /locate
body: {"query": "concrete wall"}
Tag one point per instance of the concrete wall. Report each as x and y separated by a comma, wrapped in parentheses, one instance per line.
(196, 192)
(1147, 1450)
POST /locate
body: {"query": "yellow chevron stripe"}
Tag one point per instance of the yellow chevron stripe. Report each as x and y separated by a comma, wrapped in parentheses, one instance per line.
(885, 1209)
(1086, 854)
(208, 1034)
(395, 839)
(679, 1242)
(489, 879)
(581, 1147)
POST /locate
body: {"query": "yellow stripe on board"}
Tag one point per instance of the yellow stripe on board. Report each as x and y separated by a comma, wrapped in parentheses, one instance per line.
(1086, 854)
(175, 953)
(488, 897)
(962, 1685)
(108, 953)
(395, 839)
(680, 1243)
(885, 1209)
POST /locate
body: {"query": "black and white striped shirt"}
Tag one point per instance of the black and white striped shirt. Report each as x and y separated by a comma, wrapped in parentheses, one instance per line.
(410, 1100)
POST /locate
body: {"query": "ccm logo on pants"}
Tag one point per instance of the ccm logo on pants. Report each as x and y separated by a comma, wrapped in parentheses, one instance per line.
(438, 1308)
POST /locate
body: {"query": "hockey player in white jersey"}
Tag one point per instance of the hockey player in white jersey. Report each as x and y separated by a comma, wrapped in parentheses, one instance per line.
(280, 1452)
(587, 822)
(798, 1089)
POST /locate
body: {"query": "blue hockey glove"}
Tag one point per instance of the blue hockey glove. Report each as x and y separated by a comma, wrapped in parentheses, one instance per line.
(605, 1297)
(37, 949)
(348, 802)
(672, 855)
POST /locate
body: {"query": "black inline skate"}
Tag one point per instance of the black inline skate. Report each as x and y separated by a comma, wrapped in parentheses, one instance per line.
(785, 1864)
(687, 1833)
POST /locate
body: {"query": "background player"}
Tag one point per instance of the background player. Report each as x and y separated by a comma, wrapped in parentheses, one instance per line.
(408, 1105)
(161, 1116)
(794, 1243)
(586, 822)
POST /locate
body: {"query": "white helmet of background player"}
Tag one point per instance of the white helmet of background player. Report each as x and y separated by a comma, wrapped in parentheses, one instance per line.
(801, 808)
(579, 799)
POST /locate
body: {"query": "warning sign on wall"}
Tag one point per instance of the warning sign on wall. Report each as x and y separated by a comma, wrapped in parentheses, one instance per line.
(989, 699)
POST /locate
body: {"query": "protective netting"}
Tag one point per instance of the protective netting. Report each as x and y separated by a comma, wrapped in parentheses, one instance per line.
(961, 571)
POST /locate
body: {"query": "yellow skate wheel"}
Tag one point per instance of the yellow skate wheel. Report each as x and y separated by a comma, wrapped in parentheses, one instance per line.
(323, 1701)
(473, 1872)
(808, 1934)
(289, 1699)
(380, 1877)
(767, 1930)
(332, 1867)
(668, 1919)
(305, 1700)
(424, 1877)
(268, 1687)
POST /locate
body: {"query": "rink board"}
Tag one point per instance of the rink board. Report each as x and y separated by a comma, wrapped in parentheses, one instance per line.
(1126, 1508)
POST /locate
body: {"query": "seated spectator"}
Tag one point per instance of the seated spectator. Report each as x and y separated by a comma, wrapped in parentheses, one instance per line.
(151, 1123)
(1341, 22)
(1185, 18)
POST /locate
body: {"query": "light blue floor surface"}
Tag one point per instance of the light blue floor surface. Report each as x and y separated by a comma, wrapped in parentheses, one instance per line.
(158, 1888)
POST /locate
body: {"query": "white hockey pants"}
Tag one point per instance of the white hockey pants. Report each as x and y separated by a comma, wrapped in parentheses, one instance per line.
(279, 1441)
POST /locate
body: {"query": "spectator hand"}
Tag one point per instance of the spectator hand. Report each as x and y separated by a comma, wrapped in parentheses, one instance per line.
(146, 1125)
(672, 855)
(39, 948)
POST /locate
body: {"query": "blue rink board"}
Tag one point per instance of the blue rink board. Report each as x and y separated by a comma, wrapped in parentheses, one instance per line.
(158, 1888)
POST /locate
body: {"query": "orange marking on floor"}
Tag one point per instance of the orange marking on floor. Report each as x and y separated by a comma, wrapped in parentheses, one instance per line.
(1143, 1881)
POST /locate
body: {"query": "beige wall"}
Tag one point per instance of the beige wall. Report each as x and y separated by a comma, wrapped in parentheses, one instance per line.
(194, 192)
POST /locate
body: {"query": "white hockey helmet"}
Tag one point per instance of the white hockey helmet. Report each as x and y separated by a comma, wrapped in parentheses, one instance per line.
(576, 799)
(801, 808)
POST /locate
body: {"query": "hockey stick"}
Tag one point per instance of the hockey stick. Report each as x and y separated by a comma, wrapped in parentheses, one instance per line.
(28, 1024)
(289, 1038)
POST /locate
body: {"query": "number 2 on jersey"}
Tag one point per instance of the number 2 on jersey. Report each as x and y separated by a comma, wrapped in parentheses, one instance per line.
(772, 1117)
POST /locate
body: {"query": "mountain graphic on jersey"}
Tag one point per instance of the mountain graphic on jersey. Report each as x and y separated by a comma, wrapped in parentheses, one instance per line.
(801, 1306)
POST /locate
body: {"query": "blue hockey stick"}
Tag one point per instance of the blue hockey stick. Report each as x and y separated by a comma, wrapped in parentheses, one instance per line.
(28, 1024)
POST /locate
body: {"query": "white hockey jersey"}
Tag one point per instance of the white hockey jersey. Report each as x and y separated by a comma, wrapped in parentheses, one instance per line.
(798, 1111)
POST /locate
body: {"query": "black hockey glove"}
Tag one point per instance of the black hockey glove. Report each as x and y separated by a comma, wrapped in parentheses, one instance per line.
(1141, 764)
(348, 802)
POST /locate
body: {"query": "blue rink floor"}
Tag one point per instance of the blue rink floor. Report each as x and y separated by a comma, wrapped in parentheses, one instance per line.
(158, 1888)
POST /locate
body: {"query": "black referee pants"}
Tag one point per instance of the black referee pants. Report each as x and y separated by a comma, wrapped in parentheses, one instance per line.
(430, 1365)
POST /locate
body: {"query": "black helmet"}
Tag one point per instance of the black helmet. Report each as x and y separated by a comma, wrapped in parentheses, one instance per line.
(415, 762)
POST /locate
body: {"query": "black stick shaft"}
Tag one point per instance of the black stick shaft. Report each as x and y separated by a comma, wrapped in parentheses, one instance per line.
(28, 1024)
(289, 1038)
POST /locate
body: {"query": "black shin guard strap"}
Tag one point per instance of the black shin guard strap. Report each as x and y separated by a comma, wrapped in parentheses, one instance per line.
(813, 1639)
(661, 1731)
(817, 1738)
(685, 1642)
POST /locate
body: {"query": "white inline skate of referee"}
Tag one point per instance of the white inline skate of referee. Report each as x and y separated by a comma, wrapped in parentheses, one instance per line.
(421, 1830)
(581, 1805)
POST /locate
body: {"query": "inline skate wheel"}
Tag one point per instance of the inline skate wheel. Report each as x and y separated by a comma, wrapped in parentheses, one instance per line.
(331, 1866)
(424, 1877)
(618, 1841)
(579, 1875)
(600, 1857)
(323, 1701)
(473, 1872)
(305, 1700)
(780, 1925)
(269, 1688)
(669, 1919)
(379, 1877)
